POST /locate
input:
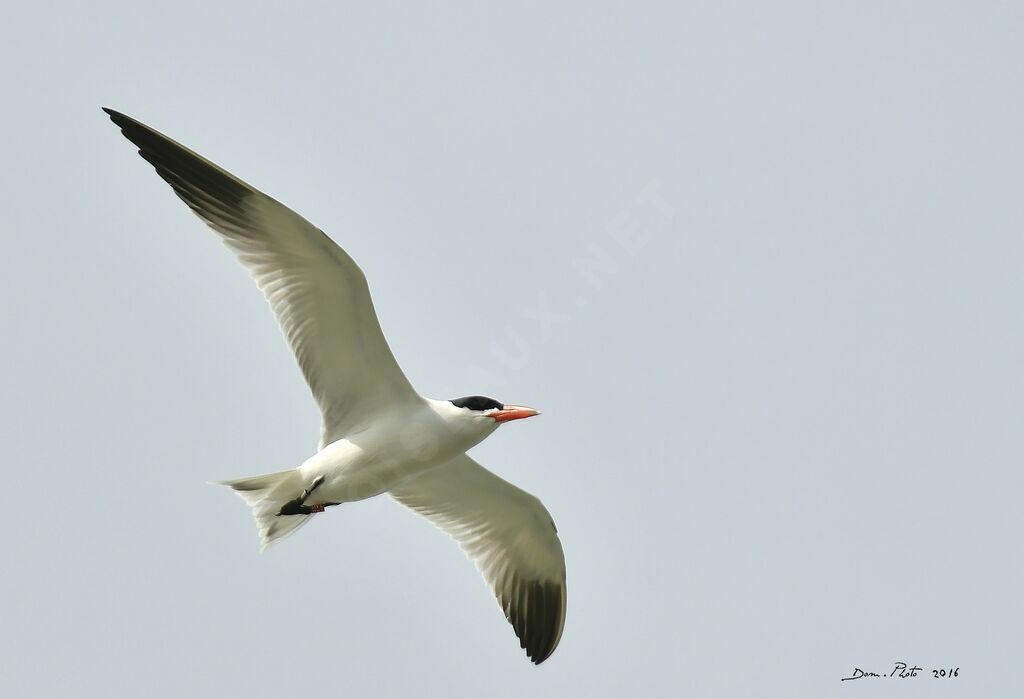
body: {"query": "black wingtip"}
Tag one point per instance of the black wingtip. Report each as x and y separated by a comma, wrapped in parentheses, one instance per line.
(537, 612)
(122, 120)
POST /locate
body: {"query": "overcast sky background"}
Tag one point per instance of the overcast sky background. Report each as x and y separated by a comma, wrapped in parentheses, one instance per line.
(758, 264)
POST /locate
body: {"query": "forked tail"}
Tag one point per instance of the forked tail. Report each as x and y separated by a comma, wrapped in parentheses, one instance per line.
(266, 495)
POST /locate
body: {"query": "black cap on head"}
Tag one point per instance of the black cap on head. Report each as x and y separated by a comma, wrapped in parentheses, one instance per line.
(476, 403)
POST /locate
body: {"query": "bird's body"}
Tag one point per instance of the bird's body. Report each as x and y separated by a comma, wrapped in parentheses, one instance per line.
(391, 449)
(395, 447)
(378, 434)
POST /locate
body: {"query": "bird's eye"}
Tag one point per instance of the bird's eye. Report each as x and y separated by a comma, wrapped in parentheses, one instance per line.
(477, 403)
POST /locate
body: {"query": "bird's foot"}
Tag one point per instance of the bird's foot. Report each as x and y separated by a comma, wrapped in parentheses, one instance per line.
(295, 507)
(298, 506)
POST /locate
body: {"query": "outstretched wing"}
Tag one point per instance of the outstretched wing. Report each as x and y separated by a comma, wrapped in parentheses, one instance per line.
(509, 535)
(317, 292)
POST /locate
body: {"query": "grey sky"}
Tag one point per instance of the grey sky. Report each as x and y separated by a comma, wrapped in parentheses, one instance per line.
(782, 399)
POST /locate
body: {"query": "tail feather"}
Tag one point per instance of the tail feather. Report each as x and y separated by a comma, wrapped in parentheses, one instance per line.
(266, 495)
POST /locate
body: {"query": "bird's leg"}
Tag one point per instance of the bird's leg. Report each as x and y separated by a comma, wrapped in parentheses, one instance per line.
(309, 491)
(298, 506)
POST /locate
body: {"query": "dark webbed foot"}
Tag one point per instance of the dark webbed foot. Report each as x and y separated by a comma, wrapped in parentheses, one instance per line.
(298, 506)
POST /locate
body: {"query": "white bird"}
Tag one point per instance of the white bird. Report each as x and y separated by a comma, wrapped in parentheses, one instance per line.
(378, 434)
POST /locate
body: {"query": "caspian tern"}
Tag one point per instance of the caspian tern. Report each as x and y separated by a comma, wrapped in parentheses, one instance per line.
(378, 434)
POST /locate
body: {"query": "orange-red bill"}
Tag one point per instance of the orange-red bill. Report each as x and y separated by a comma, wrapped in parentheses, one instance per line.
(513, 412)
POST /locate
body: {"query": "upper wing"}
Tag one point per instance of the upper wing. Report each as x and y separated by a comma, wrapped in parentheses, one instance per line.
(509, 535)
(315, 289)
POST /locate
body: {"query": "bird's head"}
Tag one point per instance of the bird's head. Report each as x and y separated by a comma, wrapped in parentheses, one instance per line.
(490, 411)
(471, 419)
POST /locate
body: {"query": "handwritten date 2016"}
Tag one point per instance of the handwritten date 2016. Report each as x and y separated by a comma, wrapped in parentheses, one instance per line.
(902, 671)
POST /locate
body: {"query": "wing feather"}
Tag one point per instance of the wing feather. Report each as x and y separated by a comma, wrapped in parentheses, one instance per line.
(317, 292)
(510, 537)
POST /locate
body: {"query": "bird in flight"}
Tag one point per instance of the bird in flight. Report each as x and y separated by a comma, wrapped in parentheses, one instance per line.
(378, 435)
